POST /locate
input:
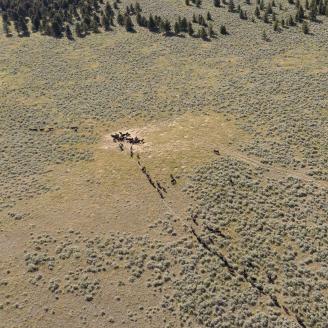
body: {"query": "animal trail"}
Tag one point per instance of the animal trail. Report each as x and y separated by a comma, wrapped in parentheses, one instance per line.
(234, 270)
(122, 138)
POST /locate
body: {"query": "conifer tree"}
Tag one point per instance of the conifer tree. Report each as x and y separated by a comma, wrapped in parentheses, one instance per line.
(211, 32)
(68, 32)
(231, 7)
(5, 25)
(190, 29)
(313, 13)
(307, 5)
(139, 19)
(151, 24)
(95, 26)
(257, 12)
(57, 26)
(120, 19)
(128, 24)
(217, 3)
(266, 18)
(223, 30)
(78, 30)
(262, 5)
(138, 7)
(300, 14)
(183, 24)
(305, 28)
(202, 33)
(166, 27)
(176, 28)
(275, 26)
(36, 23)
(106, 23)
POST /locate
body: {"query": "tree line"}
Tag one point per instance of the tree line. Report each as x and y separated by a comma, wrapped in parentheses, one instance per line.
(57, 17)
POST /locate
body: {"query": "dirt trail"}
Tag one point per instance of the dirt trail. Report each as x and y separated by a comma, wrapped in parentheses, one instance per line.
(274, 170)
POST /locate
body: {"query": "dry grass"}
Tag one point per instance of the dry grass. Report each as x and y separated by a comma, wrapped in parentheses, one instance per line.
(263, 106)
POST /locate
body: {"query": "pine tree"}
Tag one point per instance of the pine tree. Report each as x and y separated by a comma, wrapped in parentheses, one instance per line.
(127, 11)
(264, 36)
(257, 12)
(95, 26)
(275, 26)
(120, 19)
(5, 25)
(176, 28)
(262, 5)
(128, 24)
(202, 33)
(36, 23)
(307, 5)
(138, 7)
(132, 10)
(305, 28)
(211, 32)
(139, 19)
(217, 3)
(198, 3)
(300, 14)
(106, 23)
(313, 13)
(190, 29)
(68, 33)
(78, 30)
(187, 2)
(108, 10)
(266, 18)
(291, 21)
(209, 17)
(223, 30)
(151, 24)
(242, 14)
(231, 7)
(57, 26)
(183, 24)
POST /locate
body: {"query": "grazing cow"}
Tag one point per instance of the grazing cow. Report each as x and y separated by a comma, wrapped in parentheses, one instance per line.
(161, 187)
(216, 152)
(173, 180)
